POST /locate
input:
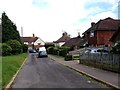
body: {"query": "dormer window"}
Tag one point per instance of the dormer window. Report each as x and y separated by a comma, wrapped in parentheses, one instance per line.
(92, 34)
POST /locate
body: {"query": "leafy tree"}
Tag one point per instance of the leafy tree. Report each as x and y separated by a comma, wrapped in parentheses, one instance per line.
(15, 45)
(9, 29)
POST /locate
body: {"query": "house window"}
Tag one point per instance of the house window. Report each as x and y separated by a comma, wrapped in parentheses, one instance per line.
(39, 43)
(92, 34)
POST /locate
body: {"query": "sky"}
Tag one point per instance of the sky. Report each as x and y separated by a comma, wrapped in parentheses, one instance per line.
(48, 19)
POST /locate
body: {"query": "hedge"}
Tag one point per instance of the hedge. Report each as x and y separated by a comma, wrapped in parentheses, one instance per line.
(15, 45)
(60, 51)
(6, 49)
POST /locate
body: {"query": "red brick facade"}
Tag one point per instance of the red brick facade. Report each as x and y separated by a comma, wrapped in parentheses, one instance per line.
(101, 32)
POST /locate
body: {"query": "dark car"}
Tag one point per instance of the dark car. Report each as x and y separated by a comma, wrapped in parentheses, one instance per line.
(32, 51)
(42, 54)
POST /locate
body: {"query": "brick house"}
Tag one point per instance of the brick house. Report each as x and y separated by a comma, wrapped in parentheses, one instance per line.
(100, 33)
(116, 36)
(65, 37)
(33, 42)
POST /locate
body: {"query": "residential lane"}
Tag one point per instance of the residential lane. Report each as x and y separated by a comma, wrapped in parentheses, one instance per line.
(47, 73)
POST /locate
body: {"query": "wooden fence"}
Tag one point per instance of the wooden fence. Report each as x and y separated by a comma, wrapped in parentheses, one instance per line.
(104, 61)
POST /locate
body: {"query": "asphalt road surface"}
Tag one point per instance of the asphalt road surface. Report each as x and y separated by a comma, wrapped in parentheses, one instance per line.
(47, 73)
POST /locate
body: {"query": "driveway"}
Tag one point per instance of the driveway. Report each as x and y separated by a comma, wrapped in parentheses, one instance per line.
(47, 73)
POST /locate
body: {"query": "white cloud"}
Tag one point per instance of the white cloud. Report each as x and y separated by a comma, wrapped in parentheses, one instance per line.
(60, 15)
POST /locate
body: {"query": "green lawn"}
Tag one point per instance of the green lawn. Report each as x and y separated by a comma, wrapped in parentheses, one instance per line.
(10, 65)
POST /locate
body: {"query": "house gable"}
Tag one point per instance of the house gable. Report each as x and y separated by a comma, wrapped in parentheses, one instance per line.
(101, 32)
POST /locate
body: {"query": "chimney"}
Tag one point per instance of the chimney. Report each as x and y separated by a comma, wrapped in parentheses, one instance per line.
(33, 35)
(92, 24)
(64, 34)
(78, 34)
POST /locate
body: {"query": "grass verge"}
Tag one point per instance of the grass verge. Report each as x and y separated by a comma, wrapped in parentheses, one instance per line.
(10, 65)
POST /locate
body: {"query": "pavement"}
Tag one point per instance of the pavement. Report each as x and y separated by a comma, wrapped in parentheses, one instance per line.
(106, 77)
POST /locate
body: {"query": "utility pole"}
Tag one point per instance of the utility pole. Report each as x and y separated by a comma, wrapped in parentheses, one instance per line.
(21, 31)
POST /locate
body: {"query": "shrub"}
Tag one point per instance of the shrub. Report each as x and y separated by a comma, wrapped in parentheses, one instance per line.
(63, 51)
(50, 50)
(68, 57)
(15, 45)
(24, 48)
(47, 45)
(6, 49)
(116, 48)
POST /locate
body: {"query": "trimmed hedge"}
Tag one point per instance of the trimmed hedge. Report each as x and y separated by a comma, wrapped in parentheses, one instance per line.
(6, 49)
(60, 51)
(15, 45)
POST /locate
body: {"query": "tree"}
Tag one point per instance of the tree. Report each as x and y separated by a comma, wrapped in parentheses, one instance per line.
(9, 29)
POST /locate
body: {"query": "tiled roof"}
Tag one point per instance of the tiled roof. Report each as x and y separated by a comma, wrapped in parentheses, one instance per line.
(29, 39)
(105, 24)
(72, 42)
(64, 38)
(117, 33)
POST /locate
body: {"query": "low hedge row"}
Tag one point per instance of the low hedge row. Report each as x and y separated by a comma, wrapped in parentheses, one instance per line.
(60, 51)
(12, 47)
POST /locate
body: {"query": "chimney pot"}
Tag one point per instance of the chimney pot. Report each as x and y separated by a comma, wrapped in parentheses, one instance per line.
(92, 24)
(33, 35)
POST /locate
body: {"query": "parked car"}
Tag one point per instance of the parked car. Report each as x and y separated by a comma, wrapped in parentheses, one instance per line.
(42, 54)
(32, 51)
(96, 51)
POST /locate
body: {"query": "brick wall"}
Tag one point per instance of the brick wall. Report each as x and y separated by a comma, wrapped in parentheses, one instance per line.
(103, 37)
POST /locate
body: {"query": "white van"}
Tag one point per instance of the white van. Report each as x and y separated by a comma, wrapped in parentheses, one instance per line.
(42, 52)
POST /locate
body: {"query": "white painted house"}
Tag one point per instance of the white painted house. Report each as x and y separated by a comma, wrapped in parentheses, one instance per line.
(33, 42)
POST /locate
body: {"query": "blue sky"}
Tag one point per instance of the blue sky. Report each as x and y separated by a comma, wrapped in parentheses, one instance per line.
(48, 19)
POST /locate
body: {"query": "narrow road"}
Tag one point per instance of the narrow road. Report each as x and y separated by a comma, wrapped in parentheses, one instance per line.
(47, 73)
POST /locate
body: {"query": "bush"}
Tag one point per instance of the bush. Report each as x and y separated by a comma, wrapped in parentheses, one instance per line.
(47, 45)
(6, 49)
(50, 50)
(63, 51)
(116, 48)
(68, 57)
(24, 48)
(16, 46)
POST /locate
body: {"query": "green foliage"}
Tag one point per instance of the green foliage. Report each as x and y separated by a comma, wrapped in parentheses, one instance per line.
(0, 49)
(6, 49)
(15, 45)
(47, 45)
(61, 51)
(9, 29)
(50, 50)
(24, 48)
(68, 57)
(116, 48)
